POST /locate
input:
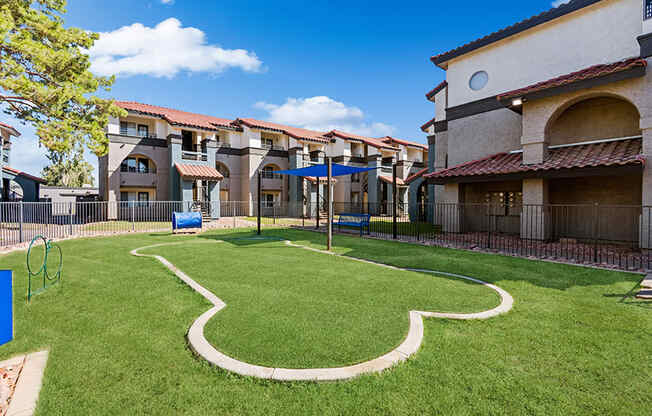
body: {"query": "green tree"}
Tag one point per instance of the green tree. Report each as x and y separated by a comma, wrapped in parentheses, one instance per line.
(45, 77)
(68, 168)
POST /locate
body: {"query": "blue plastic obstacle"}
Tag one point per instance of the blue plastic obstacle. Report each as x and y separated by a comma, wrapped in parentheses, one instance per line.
(186, 220)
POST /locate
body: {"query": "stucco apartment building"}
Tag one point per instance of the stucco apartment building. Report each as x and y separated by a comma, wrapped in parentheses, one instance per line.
(14, 184)
(555, 110)
(163, 154)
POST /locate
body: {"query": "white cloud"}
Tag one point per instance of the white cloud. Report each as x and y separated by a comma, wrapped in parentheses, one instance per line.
(163, 51)
(167, 1)
(558, 3)
(322, 113)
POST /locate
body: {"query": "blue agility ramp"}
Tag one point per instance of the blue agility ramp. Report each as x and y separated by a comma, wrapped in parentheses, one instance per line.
(186, 220)
(6, 307)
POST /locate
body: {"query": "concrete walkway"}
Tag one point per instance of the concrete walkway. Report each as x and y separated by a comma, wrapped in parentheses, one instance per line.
(408, 348)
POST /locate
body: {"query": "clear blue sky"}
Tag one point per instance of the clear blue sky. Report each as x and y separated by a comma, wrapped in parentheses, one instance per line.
(369, 58)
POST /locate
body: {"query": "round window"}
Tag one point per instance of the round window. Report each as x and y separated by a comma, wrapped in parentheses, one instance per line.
(478, 80)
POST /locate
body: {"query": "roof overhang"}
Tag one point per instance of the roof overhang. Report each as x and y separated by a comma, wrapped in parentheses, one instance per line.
(198, 172)
(552, 14)
(594, 76)
(543, 174)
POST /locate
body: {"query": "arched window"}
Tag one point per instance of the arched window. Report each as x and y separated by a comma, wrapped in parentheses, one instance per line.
(221, 167)
(268, 172)
(137, 164)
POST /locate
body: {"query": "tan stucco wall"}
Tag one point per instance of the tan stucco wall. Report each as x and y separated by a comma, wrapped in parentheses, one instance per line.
(602, 33)
(482, 135)
(594, 119)
(119, 151)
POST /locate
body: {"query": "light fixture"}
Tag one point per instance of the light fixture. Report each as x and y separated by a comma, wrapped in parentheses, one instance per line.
(517, 101)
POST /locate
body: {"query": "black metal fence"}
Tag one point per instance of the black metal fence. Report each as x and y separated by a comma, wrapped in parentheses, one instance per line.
(612, 236)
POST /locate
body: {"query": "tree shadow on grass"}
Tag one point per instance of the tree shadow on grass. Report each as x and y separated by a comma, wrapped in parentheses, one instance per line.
(488, 267)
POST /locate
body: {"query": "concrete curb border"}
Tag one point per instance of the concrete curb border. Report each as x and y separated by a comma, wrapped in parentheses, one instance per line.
(23, 402)
(409, 347)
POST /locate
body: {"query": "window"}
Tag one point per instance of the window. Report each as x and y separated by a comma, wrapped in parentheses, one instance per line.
(143, 130)
(478, 80)
(268, 173)
(355, 178)
(648, 9)
(268, 200)
(504, 203)
(124, 196)
(186, 137)
(128, 129)
(137, 165)
(143, 198)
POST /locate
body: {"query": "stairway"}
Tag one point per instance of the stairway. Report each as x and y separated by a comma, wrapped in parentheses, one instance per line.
(646, 291)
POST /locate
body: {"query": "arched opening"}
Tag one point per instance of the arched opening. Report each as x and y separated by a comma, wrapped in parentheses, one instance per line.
(268, 171)
(223, 169)
(137, 164)
(595, 118)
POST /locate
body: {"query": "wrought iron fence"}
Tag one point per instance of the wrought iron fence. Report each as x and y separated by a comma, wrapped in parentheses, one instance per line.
(614, 236)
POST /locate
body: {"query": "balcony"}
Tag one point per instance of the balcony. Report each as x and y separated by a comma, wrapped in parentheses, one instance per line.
(189, 155)
(272, 181)
(268, 146)
(136, 179)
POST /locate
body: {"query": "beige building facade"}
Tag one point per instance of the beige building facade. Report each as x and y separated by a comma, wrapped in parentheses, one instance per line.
(550, 119)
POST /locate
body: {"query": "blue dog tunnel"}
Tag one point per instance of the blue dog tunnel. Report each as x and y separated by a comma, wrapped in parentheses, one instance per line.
(185, 220)
(6, 307)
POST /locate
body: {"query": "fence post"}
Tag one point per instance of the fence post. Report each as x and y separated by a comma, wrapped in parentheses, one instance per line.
(394, 202)
(20, 223)
(596, 227)
(133, 223)
(70, 218)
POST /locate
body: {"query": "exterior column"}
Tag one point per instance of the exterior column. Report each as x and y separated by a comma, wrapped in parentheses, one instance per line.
(295, 183)
(174, 147)
(449, 212)
(373, 184)
(432, 167)
(646, 196)
(186, 194)
(214, 196)
(535, 215)
(318, 157)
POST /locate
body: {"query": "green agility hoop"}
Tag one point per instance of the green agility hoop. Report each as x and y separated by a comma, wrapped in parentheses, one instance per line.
(49, 279)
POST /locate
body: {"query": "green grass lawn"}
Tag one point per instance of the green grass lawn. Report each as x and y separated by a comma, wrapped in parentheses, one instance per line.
(116, 330)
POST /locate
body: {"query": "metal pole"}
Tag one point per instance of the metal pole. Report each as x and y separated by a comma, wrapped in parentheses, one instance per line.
(394, 202)
(317, 215)
(329, 241)
(70, 216)
(20, 225)
(259, 197)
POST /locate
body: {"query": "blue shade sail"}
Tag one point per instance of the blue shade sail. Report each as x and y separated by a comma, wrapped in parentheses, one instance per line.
(321, 171)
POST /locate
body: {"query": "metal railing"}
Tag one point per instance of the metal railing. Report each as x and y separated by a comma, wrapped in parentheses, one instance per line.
(188, 155)
(606, 235)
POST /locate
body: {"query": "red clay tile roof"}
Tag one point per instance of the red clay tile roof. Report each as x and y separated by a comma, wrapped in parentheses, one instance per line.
(296, 132)
(19, 173)
(176, 117)
(514, 29)
(389, 140)
(430, 94)
(378, 143)
(10, 128)
(388, 179)
(425, 127)
(201, 172)
(613, 153)
(415, 176)
(595, 71)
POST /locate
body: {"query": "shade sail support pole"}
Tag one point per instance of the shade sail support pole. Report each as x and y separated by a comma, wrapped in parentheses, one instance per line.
(329, 186)
(260, 193)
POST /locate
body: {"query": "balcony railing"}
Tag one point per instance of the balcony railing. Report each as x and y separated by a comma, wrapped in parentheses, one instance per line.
(140, 169)
(188, 155)
(272, 147)
(271, 175)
